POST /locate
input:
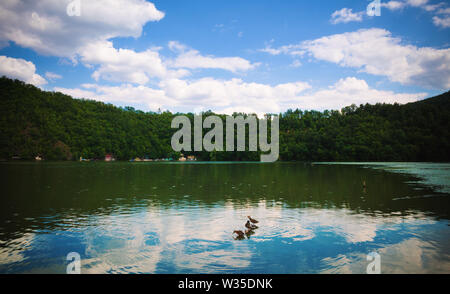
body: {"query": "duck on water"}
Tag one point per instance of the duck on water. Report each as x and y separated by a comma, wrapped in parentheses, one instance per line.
(240, 235)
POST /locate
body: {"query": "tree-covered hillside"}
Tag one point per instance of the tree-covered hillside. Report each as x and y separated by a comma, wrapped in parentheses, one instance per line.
(58, 127)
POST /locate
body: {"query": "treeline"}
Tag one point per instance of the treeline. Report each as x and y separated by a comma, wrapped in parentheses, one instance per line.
(57, 127)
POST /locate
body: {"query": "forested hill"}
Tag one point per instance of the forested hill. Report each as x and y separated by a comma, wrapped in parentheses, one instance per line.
(58, 127)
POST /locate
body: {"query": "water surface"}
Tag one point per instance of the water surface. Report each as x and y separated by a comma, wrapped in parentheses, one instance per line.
(179, 217)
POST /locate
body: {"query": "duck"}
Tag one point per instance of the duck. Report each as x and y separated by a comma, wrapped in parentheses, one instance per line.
(252, 220)
(250, 226)
(240, 235)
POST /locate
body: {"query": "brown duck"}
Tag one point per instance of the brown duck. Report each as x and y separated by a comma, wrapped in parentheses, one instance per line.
(254, 221)
(250, 226)
(239, 235)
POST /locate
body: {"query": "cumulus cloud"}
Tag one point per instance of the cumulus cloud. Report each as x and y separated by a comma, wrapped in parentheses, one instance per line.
(223, 96)
(235, 95)
(377, 52)
(351, 90)
(45, 27)
(125, 93)
(18, 68)
(125, 65)
(346, 15)
(192, 59)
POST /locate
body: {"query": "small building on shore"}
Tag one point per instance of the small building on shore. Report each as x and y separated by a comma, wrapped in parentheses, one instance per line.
(191, 158)
(109, 158)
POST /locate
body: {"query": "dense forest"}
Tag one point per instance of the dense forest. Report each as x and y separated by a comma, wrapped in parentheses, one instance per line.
(57, 127)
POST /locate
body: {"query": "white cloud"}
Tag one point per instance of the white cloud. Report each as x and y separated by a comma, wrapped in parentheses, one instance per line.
(442, 21)
(417, 3)
(444, 11)
(52, 76)
(232, 94)
(18, 68)
(177, 46)
(125, 65)
(45, 26)
(192, 59)
(433, 7)
(376, 52)
(294, 50)
(228, 96)
(296, 63)
(126, 93)
(345, 15)
(423, 4)
(351, 90)
(394, 5)
(223, 96)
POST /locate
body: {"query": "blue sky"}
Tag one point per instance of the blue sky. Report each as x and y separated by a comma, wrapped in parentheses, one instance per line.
(249, 56)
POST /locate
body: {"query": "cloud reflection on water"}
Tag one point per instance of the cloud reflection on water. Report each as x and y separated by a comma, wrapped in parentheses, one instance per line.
(199, 240)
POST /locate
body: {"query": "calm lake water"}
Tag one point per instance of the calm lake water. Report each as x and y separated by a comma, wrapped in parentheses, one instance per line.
(179, 217)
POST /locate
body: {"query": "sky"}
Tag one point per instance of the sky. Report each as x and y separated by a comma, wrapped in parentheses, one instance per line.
(253, 56)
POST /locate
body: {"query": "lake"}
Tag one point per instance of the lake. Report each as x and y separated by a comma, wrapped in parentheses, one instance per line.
(126, 217)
